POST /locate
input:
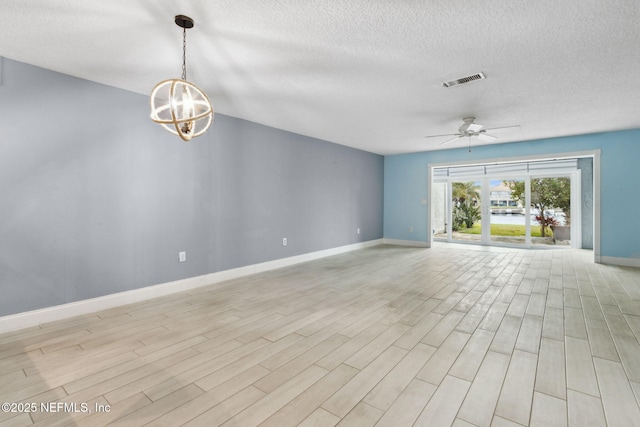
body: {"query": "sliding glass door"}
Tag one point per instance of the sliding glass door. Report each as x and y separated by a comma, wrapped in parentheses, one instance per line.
(508, 205)
(466, 211)
(526, 205)
(440, 216)
(551, 200)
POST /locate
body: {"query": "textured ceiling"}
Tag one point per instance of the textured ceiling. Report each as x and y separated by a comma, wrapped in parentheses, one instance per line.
(362, 73)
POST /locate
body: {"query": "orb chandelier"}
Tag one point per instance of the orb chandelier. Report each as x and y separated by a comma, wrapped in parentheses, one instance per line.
(178, 105)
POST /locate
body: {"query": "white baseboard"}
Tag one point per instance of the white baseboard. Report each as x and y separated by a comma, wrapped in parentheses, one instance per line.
(50, 314)
(413, 243)
(624, 262)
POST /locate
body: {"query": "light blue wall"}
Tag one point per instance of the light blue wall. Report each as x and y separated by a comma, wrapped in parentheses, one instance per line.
(95, 198)
(405, 185)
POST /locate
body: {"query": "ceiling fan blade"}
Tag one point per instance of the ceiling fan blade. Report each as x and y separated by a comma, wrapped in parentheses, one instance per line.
(515, 127)
(438, 136)
(485, 137)
(452, 139)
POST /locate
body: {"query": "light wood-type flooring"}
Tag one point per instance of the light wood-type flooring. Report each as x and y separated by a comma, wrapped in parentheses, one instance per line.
(385, 336)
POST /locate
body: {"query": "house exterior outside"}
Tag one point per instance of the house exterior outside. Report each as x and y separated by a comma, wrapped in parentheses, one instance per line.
(501, 202)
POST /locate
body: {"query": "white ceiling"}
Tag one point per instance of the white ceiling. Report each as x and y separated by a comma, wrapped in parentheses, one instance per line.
(362, 73)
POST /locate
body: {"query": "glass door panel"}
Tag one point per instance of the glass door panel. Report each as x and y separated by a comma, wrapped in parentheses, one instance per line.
(507, 206)
(466, 211)
(551, 211)
(439, 216)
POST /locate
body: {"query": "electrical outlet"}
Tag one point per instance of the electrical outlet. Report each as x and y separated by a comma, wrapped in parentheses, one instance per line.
(284, 241)
(410, 229)
(357, 231)
(182, 256)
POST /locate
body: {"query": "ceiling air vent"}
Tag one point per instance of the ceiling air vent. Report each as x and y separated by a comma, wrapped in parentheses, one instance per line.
(463, 80)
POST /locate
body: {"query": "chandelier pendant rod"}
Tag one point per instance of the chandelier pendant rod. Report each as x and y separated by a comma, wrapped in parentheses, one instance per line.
(184, 54)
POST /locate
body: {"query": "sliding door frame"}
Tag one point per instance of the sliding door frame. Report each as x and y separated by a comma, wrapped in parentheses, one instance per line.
(576, 191)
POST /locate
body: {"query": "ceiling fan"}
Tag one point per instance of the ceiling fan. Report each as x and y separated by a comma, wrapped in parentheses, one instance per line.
(471, 129)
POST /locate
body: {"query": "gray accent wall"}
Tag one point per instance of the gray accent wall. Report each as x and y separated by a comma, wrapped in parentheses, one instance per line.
(97, 199)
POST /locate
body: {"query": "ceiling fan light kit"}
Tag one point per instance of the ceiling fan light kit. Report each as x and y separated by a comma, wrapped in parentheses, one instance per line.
(179, 105)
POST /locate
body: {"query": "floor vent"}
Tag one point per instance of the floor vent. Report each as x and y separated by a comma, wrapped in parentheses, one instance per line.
(463, 80)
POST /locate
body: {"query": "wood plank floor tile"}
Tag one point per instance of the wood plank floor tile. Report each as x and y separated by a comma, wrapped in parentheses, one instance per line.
(342, 353)
(450, 335)
(553, 324)
(363, 415)
(620, 405)
(308, 401)
(548, 411)
(494, 316)
(517, 391)
(285, 372)
(574, 324)
(160, 407)
(348, 396)
(437, 367)
(536, 305)
(366, 354)
(481, 400)
(444, 404)
(449, 302)
(629, 352)
(418, 331)
(202, 365)
(227, 409)
(302, 346)
(636, 390)
(555, 299)
(519, 304)
(468, 362)
(111, 380)
(616, 321)
(213, 397)
(600, 339)
(626, 304)
(490, 295)
(469, 301)
(391, 386)
(19, 420)
(581, 375)
(436, 336)
(634, 324)
(506, 335)
(472, 319)
(550, 375)
(572, 298)
(272, 402)
(418, 313)
(320, 418)
(584, 410)
(591, 308)
(530, 334)
(503, 422)
(461, 423)
(408, 406)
